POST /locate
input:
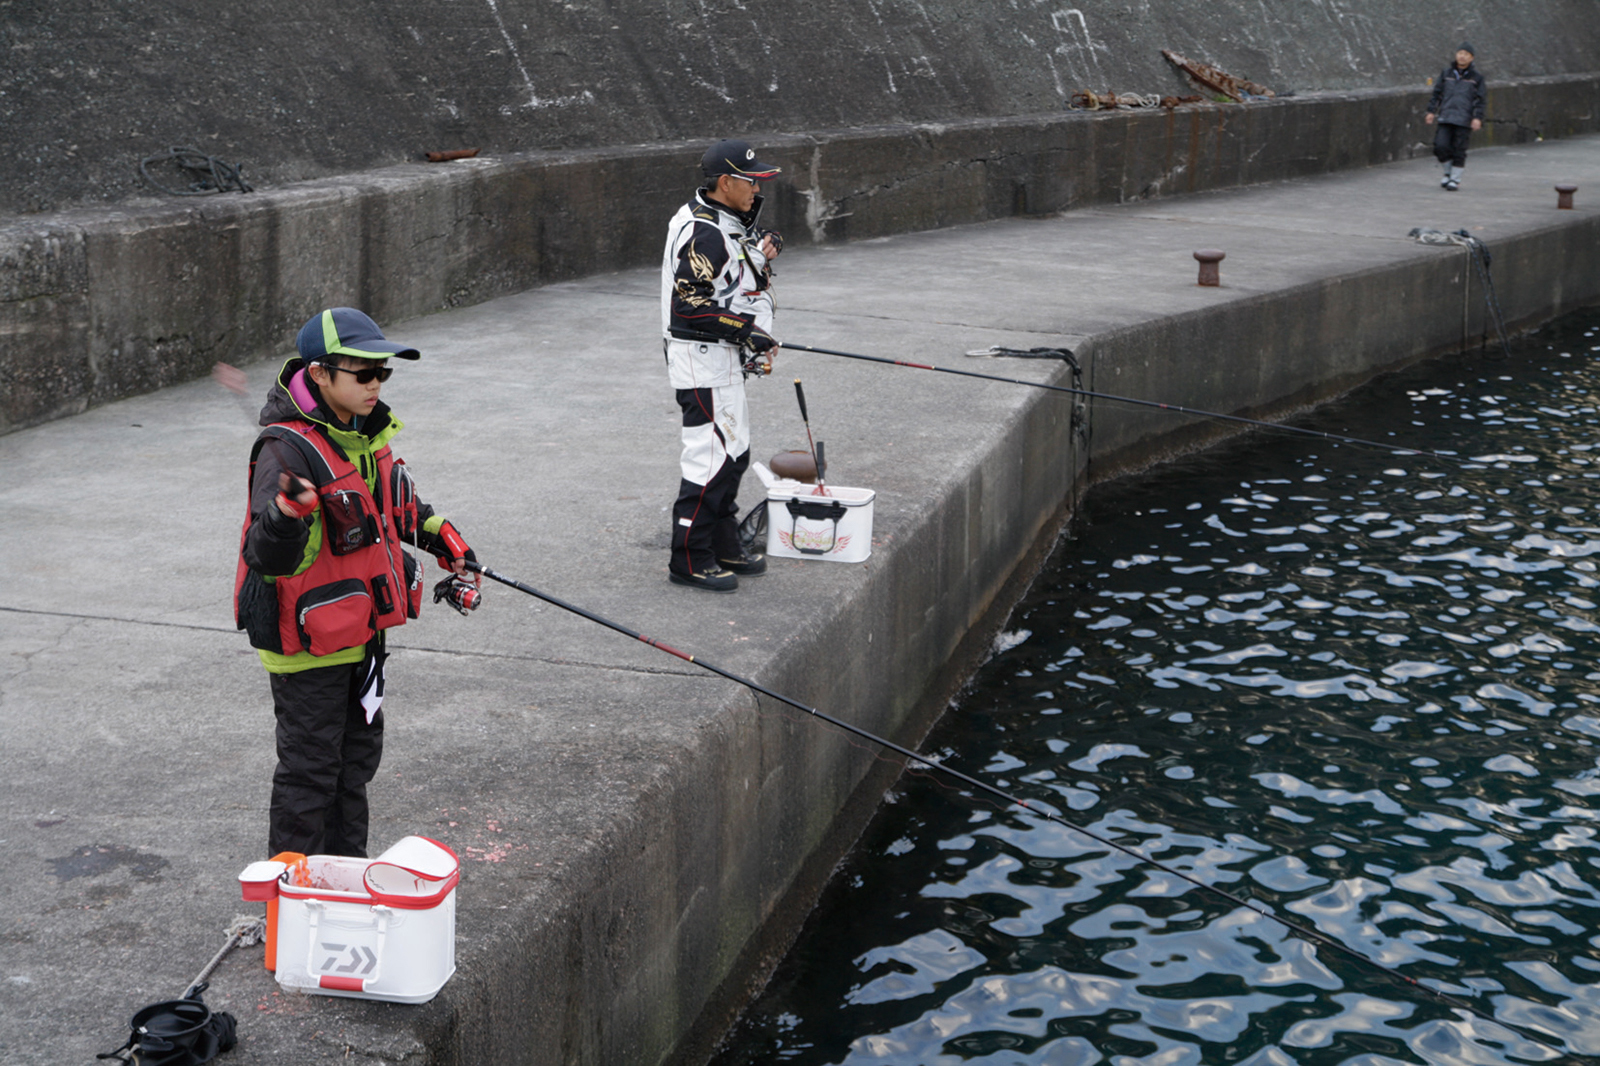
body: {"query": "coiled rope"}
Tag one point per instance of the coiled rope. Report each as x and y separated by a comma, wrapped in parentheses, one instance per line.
(207, 173)
(1481, 259)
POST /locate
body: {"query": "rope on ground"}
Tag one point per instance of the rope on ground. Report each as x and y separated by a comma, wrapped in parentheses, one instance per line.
(207, 174)
(243, 931)
(1481, 259)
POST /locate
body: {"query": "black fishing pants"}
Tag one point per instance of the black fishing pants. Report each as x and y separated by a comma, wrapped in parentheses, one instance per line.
(1450, 143)
(326, 755)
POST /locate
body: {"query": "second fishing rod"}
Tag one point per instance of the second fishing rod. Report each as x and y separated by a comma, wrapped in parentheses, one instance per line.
(1035, 809)
(1172, 408)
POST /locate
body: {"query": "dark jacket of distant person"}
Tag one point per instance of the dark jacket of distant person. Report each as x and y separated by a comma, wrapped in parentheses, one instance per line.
(1458, 96)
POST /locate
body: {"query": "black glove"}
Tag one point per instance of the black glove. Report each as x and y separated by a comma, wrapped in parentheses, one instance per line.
(454, 547)
(759, 340)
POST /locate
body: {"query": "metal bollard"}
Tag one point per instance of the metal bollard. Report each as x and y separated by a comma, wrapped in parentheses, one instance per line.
(1209, 258)
(1564, 196)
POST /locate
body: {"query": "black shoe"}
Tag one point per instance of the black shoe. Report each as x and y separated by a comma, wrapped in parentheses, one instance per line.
(747, 562)
(711, 580)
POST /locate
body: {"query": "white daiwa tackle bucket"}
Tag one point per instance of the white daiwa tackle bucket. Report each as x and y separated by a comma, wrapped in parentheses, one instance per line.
(381, 928)
(836, 527)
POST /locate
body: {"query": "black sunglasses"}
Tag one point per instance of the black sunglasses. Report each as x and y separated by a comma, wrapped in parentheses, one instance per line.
(366, 374)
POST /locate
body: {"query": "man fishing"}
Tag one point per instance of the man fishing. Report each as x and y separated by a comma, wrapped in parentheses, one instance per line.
(716, 318)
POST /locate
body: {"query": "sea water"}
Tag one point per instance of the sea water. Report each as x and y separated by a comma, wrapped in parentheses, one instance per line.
(1357, 688)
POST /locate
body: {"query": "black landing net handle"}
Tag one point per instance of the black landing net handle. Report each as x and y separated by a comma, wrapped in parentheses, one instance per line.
(1294, 927)
(816, 449)
(1172, 407)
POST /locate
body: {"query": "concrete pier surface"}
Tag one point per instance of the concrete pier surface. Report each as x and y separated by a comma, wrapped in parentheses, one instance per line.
(639, 837)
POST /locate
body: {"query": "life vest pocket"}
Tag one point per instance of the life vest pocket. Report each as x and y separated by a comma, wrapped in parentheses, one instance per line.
(336, 616)
(256, 608)
(413, 585)
(348, 521)
(403, 500)
(381, 596)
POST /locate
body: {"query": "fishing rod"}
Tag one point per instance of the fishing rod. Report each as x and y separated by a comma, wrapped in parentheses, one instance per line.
(816, 449)
(1175, 408)
(983, 786)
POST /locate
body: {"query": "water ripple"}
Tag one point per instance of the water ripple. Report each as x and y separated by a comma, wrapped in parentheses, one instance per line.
(1359, 694)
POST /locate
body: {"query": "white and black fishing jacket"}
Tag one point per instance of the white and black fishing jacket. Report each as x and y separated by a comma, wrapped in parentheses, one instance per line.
(716, 290)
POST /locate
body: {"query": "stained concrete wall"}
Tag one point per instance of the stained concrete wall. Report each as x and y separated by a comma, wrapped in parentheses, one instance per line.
(97, 304)
(297, 89)
(648, 962)
(702, 898)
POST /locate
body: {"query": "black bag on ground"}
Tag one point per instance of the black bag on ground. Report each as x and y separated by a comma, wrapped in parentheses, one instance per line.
(177, 1032)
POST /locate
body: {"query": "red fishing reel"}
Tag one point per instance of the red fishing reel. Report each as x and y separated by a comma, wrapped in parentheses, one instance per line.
(462, 593)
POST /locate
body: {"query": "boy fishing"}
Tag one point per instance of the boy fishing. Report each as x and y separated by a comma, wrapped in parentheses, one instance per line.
(323, 571)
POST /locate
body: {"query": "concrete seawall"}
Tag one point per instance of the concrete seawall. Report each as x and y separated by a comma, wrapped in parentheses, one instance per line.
(641, 838)
(99, 304)
(296, 89)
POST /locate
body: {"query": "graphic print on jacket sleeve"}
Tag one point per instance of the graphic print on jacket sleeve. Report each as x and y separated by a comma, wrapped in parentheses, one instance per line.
(697, 302)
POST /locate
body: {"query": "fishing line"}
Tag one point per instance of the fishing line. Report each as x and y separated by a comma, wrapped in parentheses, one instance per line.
(938, 767)
(911, 769)
(1172, 407)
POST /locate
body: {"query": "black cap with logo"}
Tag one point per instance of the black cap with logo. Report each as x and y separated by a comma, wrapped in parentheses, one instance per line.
(736, 158)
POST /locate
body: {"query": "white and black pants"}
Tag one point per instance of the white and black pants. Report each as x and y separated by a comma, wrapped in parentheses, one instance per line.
(716, 453)
(327, 753)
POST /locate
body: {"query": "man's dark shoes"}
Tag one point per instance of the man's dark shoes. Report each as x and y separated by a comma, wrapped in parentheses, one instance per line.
(717, 580)
(747, 562)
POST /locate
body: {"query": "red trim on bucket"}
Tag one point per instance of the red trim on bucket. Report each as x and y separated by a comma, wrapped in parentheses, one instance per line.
(446, 847)
(415, 903)
(343, 984)
(446, 884)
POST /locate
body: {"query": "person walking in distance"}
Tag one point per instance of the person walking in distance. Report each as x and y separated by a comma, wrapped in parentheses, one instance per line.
(1457, 107)
(716, 320)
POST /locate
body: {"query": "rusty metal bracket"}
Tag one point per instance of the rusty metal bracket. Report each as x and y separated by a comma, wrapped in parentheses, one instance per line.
(1218, 81)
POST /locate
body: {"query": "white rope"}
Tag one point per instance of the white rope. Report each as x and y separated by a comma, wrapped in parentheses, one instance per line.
(1479, 254)
(245, 929)
(1434, 236)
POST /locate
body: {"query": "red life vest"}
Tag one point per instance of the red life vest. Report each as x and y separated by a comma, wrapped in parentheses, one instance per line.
(361, 580)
